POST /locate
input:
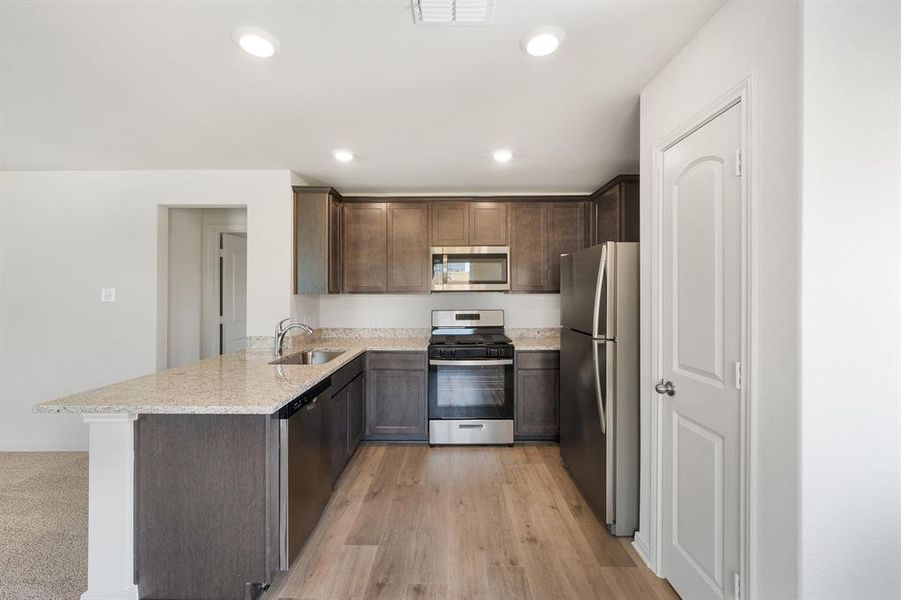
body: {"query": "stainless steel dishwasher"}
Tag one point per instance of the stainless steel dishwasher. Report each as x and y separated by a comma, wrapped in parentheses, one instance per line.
(305, 481)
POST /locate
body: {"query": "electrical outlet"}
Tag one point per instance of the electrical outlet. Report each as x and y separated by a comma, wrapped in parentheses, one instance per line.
(107, 294)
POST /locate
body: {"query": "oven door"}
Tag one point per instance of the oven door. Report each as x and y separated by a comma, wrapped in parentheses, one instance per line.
(471, 389)
(471, 268)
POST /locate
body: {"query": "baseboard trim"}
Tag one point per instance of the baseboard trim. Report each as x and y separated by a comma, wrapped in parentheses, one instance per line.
(643, 552)
(44, 445)
(129, 593)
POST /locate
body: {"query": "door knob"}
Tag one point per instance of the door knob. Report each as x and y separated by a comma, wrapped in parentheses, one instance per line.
(665, 388)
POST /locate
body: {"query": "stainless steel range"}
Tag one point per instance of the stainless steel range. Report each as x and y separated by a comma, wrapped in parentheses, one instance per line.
(470, 378)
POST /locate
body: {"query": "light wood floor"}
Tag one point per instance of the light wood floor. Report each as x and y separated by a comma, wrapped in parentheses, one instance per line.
(486, 523)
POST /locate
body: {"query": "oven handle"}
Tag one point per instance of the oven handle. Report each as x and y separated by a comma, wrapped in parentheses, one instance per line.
(473, 363)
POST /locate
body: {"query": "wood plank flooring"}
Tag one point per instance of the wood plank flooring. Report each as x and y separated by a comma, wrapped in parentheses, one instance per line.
(463, 523)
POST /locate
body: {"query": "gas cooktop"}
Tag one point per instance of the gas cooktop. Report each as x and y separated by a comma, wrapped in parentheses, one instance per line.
(468, 339)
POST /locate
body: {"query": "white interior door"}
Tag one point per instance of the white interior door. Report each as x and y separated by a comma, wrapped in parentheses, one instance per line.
(701, 341)
(234, 292)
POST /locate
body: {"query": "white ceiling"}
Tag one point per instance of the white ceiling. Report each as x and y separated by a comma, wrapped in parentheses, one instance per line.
(160, 85)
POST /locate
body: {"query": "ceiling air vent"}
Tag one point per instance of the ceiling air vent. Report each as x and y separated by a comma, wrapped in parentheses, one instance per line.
(453, 12)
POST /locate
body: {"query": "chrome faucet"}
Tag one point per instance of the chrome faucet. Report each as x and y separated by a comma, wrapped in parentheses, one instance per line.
(282, 329)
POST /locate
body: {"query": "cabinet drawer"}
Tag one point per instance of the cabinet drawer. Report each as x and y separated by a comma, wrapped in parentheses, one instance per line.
(414, 361)
(538, 360)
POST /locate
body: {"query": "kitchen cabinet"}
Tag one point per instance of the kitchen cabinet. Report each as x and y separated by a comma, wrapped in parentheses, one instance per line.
(364, 245)
(206, 504)
(345, 414)
(317, 241)
(356, 409)
(377, 245)
(469, 224)
(488, 223)
(397, 396)
(409, 267)
(567, 232)
(528, 247)
(614, 211)
(345, 424)
(338, 419)
(450, 224)
(537, 396)
(539, 233)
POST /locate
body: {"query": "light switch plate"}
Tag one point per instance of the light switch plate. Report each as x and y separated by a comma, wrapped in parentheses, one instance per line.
(107, 294)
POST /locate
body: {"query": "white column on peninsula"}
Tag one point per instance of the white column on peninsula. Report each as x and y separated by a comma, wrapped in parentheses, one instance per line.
(111, 501)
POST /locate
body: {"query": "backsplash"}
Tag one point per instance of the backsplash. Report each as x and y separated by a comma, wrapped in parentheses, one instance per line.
(374, 332)
(266, 342)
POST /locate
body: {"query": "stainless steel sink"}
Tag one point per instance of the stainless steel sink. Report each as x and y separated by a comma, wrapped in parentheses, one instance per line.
(309, 357)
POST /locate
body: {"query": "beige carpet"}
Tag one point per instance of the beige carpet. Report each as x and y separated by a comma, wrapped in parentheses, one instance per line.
(43, 525)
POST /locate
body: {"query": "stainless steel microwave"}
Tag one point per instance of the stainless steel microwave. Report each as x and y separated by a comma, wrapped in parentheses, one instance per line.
(471, 269)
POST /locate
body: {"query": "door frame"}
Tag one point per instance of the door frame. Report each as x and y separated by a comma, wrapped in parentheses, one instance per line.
(741, 94)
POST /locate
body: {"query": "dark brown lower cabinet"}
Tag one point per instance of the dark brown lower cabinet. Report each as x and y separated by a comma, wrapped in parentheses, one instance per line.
(339, 419)
(537, 395)
(356, 407)
(397, 396)
(206, 503)
(345, 415)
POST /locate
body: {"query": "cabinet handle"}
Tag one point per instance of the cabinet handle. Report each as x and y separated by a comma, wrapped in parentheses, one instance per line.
(471, 425)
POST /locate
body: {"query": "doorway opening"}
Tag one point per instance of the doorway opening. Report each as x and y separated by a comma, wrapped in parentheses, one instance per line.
(205, 310)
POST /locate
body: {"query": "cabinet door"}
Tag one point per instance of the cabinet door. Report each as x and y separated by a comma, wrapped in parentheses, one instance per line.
(356, 398)
(408, 247)
(537, 404)
(396, 405)
(628, 212)
(528, 247)
(450, 224)
(566, 233)
(365, 246)
(488, 224)
(338, 421)
(607, 216)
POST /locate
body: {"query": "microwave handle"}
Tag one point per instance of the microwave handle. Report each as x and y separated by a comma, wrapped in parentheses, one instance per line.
(444, 268)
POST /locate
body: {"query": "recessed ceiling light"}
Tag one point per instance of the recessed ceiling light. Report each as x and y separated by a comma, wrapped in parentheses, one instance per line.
(542, 41)
(343, 155)
(255, 41)
(503, 155)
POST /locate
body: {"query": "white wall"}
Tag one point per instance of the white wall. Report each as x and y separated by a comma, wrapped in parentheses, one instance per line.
(184, 287)
(741, 39)
(362, 310)
(851, 301)
(64, 235)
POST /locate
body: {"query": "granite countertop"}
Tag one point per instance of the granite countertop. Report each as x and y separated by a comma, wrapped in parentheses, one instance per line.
(237, 383)
(241, 382)
(544, 342)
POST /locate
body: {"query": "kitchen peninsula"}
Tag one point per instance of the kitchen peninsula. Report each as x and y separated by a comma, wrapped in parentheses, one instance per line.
(200, 453)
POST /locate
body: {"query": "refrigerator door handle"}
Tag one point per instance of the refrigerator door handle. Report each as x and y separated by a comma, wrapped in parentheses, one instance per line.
(602, 269)
(611, 437)
(597, 384)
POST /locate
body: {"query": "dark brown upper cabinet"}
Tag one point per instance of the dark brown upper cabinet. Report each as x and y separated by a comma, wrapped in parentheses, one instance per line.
(487, 223)
(450, 224)
(528, 247)
(408, 247)
(613, 211)
(567, 232)
(367, 244)
(365, 237)
(469, 224)
(317, 241)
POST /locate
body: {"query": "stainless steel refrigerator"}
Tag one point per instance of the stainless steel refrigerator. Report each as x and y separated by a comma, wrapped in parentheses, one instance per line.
(599, 378)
